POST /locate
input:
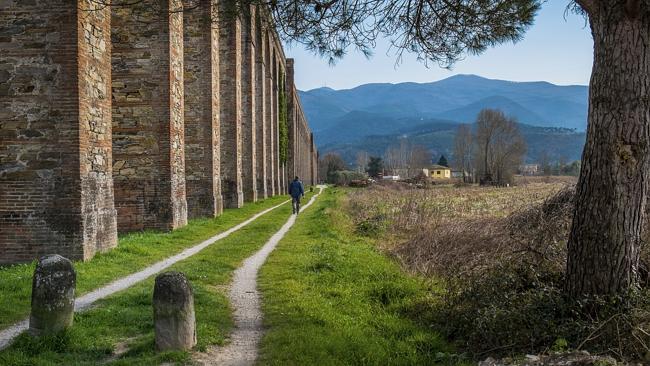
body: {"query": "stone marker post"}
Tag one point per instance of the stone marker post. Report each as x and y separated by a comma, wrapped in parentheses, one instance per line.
(53, 290)
(173, 312)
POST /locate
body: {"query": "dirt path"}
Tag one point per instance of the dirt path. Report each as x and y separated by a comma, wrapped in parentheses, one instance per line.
(86, 301)
(245, 299)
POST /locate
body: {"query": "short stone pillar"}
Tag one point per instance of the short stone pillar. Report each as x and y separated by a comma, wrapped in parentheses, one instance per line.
(53, 290)
(173, 312)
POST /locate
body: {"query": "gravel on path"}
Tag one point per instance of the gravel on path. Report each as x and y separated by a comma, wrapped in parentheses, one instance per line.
(244, 297)
(84, 302)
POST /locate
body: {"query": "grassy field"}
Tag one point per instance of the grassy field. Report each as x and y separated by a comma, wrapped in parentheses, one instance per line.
(119, 330)
(330, 298)
(134, 252)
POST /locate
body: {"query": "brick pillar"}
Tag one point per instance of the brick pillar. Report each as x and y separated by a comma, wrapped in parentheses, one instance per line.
(202, 145)
(291, 120)
(274, 124)
(312, 153)
(270, 115)
(56, 190)
(276, 127)
(230, 62)
(260, 105)
(249, 109)
(148, 131)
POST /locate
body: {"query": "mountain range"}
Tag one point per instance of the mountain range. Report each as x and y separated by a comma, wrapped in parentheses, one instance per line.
(371, 117)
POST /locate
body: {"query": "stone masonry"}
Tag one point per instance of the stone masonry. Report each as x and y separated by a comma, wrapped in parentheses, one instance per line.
(148, 130)
(135, 118)
(230, 65)
(248, 106)
(270, 116)
(56, 190)
(202, 130)
(261, 108)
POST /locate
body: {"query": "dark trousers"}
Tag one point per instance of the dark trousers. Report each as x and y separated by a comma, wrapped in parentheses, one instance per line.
(295, 202)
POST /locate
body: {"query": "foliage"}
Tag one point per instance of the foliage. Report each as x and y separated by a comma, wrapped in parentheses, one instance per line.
(428, 29)
(443, 161)
(329, 165)
(283, 123)
(344, 177)
(375, 166)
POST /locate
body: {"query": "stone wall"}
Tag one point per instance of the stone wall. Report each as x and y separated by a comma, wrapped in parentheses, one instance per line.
(202, 130)
(248, 106)
(148, 130)
(56, 191)
(135, 118)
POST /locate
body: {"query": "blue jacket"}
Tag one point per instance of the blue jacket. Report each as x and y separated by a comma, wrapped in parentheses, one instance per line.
(296, 189)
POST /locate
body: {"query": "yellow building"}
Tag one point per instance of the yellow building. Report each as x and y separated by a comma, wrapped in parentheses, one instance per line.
(440, 172)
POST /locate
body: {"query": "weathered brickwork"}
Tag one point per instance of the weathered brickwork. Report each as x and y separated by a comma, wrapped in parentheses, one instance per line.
(230, 62)
(148, 131)
(270, 116)
(248, 107)
(202, 142)
(131, 118)
(56, 192)
(260, 106)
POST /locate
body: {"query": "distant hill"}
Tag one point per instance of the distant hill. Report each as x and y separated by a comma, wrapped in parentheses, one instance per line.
(438, 137)
(457, 98)
(371, 117)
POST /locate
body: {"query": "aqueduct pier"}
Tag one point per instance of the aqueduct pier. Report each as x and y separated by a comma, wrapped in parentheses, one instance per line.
(117, 119)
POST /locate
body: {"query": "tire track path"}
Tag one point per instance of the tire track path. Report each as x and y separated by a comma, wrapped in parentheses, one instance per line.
(84, 302)
(243, 348)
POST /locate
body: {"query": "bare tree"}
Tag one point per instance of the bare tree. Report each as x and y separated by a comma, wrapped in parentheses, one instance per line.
(463, 147)
(362, 161)
(499, 145)
(329, 165)
(420, 159)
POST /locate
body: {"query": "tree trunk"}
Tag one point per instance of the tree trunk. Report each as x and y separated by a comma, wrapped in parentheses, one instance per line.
(605, 238)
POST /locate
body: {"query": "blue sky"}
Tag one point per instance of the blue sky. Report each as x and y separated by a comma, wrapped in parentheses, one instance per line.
(555, 49)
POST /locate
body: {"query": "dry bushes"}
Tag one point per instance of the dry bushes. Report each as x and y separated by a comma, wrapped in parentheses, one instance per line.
(500, 254)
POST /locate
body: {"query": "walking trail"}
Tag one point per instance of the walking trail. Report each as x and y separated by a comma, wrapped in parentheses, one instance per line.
(245, 299)
(86, 301)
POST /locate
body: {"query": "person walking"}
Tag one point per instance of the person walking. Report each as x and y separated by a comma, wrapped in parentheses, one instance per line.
(297, 191)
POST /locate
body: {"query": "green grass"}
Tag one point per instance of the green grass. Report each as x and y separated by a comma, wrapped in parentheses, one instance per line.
(134, 252)
(330, 298)
(126, 319)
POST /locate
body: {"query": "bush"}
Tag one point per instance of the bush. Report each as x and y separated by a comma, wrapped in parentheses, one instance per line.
(345, 177)
(503, 275)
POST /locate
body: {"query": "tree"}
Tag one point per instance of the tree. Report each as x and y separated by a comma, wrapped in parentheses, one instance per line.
(499, 145)
(443, 161)
(362, 161)
(463, 143)
(375, 166)
(420, 159)
(329, 165)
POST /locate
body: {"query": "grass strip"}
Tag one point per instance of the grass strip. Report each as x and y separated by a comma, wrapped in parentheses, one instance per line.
(119, 330)
(330, 298)
(134, 252)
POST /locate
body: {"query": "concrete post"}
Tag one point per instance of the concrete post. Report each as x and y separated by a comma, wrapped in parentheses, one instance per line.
(202, 145)
(53, 289)
(173, 313)
(56, 186)
(148, 126)
(230, 61)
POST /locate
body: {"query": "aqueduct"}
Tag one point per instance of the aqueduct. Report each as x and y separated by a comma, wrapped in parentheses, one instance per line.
(115, 119)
